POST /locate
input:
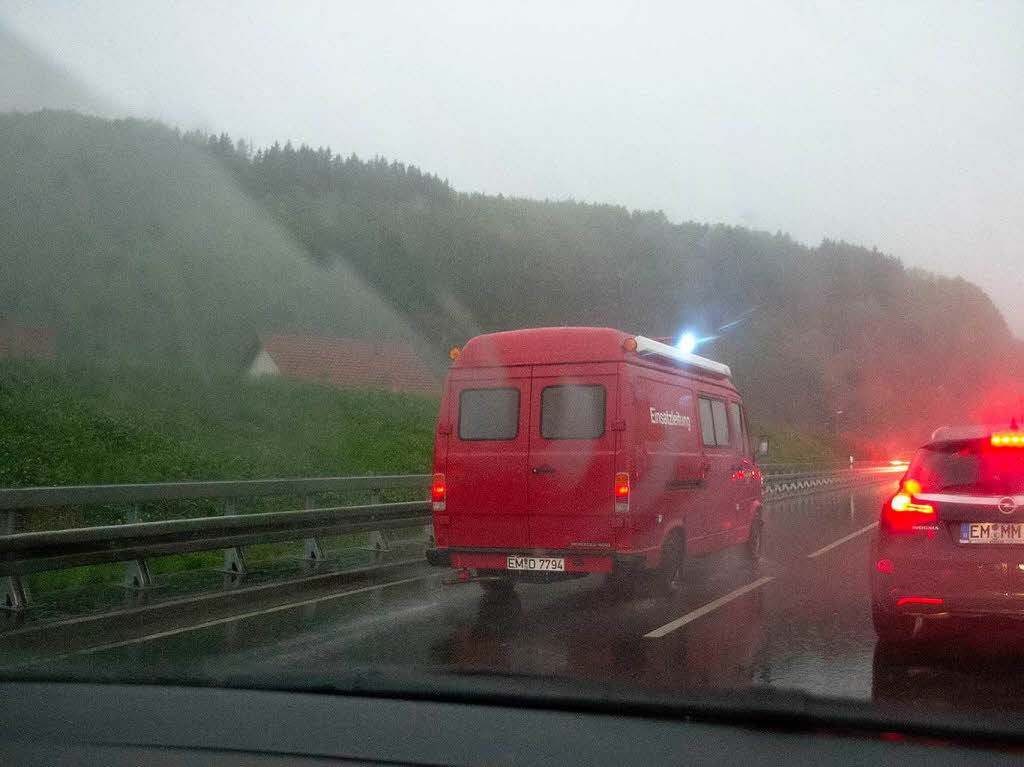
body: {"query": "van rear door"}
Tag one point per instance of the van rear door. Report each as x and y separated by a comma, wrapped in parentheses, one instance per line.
(486, 465)
(572, 456)
(722, 462)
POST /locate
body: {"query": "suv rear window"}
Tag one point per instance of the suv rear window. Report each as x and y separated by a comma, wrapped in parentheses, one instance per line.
(572, 412)
(969, 466)
(488, 414)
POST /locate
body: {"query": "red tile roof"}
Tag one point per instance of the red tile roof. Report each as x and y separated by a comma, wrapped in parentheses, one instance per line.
(27, 341)
(347, 362)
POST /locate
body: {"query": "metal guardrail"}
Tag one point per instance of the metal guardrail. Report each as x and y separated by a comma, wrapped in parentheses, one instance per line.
(23, 553)
(794, 483)
(21, 498)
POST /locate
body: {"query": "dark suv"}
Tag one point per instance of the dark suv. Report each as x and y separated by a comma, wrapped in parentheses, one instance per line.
(950, 542)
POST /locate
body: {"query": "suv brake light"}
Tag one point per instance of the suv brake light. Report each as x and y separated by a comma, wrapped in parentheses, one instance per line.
(437, 492)
(1012, 439)
(904, 502)
(902, 514)
(621, 492)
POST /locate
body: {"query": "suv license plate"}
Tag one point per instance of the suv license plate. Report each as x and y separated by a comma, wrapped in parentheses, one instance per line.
(992, 532)
(552, 564)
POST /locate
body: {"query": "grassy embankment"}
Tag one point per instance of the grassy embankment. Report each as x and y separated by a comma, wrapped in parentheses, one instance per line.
(76, 425)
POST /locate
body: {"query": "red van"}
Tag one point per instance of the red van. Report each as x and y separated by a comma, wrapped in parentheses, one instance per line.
(565, 451)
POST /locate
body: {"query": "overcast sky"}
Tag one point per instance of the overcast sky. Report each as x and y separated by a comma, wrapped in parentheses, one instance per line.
(897, 125)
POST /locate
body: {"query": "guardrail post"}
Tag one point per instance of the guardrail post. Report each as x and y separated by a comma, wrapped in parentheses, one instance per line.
(137, 575)
(15, 593)
(312, 549)
(136, 572)
(377, 541)
(234, 557)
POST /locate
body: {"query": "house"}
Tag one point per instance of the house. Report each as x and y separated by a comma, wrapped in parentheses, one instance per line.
(23, 341)
(343, 362)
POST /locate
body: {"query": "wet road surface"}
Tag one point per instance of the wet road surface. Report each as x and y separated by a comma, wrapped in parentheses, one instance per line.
(799, 619)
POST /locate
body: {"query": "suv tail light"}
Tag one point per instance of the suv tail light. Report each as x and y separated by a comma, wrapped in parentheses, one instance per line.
(621, 492)
(902, 514)
(437, 492)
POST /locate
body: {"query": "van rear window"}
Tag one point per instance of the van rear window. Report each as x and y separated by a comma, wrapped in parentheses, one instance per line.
(572, 412)
(488, 414)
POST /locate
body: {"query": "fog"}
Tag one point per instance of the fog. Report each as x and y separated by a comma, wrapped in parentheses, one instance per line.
(895, 127)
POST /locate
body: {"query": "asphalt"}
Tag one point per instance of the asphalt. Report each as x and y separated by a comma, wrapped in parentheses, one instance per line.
(798, 620)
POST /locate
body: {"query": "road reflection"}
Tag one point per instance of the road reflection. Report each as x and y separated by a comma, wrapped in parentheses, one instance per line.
(565, 638)
(977, 665)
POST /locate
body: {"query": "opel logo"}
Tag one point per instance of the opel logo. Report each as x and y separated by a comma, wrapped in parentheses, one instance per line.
(1007, 505)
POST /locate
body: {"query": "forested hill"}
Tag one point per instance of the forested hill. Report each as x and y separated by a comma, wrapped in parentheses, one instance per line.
(187, 246)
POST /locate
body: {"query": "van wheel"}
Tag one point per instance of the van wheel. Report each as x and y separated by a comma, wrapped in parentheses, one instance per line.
(669, 572)
(755, 540)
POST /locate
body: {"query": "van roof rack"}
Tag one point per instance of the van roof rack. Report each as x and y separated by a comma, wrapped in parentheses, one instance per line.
(648, 347)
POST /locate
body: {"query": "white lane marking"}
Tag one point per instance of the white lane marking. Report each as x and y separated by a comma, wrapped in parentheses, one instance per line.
(709, 607)
(227, 619)
(841, 541)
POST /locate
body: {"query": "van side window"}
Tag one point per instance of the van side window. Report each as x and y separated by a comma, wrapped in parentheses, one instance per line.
(572, 411)
(707, 422)
(739, 427)
(714, 422)
(488, 414)
(721, 423)
(748, 444)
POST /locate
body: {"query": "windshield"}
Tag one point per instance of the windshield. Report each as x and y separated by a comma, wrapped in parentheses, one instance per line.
(556, 341)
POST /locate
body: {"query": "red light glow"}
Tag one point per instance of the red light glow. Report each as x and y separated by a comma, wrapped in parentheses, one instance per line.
(621, 492)
(903, 502)
(437, 492)
(1008, 440)
(918, 601)
(621, 485)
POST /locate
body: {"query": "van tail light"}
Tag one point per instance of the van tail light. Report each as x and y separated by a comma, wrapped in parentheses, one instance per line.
(437, 492)
(622, 492)
(902, 514)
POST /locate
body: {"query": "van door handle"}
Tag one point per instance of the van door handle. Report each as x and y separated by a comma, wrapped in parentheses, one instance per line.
(544, 470)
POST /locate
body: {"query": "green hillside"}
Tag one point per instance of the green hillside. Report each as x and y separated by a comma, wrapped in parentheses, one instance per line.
(135, 242)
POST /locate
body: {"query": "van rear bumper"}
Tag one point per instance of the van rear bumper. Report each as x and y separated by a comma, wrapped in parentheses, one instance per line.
(497, 559)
